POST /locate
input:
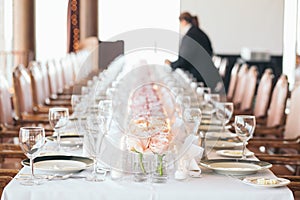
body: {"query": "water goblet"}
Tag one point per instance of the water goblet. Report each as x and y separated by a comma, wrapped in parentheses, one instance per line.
(105, 113)
(224, 112)
(58, 118)
(93, 140)
(192, 120)
(212, 100)
(78, 108)
(244, 128)
(31, 140)
(183, 102)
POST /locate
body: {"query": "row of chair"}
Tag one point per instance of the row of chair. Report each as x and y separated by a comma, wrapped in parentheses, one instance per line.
(277, 134)
(36, 88)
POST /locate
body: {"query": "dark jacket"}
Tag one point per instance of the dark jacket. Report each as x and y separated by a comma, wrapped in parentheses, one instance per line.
(197, 35)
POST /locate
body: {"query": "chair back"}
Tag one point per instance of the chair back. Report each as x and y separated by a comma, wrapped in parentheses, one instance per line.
(276, 112)
(6, 110)
(46, 86)
(240, 85)
(223, 67)
(248, 94)
(233, 81)
(23, 102)
(37, 84)
(292, 127)
(263, 94)
(51, 69)
(59, 76)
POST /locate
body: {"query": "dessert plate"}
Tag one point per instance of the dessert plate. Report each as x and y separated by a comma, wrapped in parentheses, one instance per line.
(266, 182)
(60, 163)
(235, 166)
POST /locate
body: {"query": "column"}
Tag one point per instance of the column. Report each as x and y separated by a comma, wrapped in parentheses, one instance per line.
(88, 18)
(24, 30)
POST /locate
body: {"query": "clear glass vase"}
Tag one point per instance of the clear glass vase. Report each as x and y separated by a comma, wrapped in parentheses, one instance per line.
(141, 167)
(160, 174)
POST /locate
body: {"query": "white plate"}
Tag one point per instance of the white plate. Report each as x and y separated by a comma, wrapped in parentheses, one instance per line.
(234, 153)
(266, 182)
(68, 140)
(60, 163)
(220, 144)
(221, 135)
(235, 166)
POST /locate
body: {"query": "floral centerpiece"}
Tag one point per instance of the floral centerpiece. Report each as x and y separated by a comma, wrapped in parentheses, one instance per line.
(149, 127)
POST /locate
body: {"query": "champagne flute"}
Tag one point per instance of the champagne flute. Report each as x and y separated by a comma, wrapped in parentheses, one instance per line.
(224, 112)
(31, 140)
(244, 128)
(58, 118)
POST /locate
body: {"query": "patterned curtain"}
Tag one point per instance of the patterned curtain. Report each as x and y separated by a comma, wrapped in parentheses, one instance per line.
(73, 26)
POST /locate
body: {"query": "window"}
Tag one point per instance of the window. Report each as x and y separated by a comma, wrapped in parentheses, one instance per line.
(116, 18)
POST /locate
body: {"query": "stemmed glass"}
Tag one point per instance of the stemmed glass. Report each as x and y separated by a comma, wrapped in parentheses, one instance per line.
(98, 126)
(183, 102)
(58, 118)
(224, 112)
(78, 108)
(192, 119)
(31, 140)
(105, 113)
(212, 100)
(244, 128)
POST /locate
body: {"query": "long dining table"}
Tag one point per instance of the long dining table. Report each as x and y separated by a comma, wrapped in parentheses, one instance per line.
(209, 185)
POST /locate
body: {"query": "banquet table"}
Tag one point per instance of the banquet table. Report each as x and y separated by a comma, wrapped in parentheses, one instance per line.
(209, 186)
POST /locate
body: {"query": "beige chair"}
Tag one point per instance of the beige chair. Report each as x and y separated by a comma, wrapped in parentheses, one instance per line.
(276, 113)
(241, 85)
(263, 95)
(292, 128)
(249, 90)
(223, 67)
(40, 99)
(233, 81)
(4, 180)
(23, 98)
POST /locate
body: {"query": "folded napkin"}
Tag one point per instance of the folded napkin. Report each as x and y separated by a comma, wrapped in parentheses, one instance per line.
(189, 153)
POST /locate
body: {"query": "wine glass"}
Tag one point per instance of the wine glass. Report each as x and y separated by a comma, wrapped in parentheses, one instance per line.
(224, 112)
(78, 108)
(192, 120)
(105, 113)
(183, 102)
(244, 128)
(93, 142)
(58, 118)
(31, 140)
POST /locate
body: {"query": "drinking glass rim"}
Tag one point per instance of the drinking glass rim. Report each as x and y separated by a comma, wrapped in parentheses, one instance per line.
(243, 116)
(58, 108)
(32, 128)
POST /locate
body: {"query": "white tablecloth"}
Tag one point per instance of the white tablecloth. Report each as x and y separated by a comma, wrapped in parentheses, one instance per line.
(210, 186)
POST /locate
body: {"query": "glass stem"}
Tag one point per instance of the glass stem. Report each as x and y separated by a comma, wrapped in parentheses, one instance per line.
(58, 139)
(79, 121)
(32, 168)
(243, 151)
(95, 166)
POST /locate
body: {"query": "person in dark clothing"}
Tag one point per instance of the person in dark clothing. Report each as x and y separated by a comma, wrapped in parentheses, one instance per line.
(191, 34)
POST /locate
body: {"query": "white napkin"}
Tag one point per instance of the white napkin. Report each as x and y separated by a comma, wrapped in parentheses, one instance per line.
(190, 152)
